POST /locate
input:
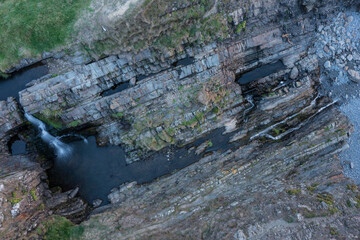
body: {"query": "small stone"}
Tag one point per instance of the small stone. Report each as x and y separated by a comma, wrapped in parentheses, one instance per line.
(294, 73)
(133, 82)
(201, 148)
(15, 210)
(116, 197)
(298, 84)
(327, 64)
(73, 193)
(349, 57)
(96, 203)
(240, 235)
(1, 219)
(326, 49)
(354, 75)
(351, 165)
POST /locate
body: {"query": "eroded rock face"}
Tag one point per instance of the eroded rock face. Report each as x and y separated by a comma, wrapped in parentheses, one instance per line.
(279, 179)
(174, 103)
(20, 196)
(276, 190)
(10, 120)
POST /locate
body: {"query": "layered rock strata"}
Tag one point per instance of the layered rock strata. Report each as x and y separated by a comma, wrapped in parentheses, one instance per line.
(279, 178)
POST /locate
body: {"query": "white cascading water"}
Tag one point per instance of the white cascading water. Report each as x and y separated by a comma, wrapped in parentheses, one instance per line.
(61, 149)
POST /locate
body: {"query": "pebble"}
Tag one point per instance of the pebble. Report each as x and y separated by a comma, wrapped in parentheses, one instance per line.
(326, 49)
(96, 203)
(354, 75)
(327, 64)
(294, 73)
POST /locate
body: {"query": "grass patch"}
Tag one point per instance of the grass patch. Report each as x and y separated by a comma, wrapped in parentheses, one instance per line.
(215, 110)
(59, 228)
(313, 187)
(333, 231)
(241, 27)
(33, 194)
(118, 115)
(289, 219)
(276, 131)
(74, 123)
(14, 201)
(326, 198)
(351, 187)
(293, 191)
(190, 123)
(50, 117)
(29, 27)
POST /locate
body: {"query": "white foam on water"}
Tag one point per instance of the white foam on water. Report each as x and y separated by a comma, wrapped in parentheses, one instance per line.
(61, 149)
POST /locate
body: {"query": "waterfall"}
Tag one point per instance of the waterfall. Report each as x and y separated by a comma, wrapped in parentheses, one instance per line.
(61, 149)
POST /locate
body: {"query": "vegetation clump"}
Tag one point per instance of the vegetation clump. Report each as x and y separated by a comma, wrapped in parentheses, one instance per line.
(59, 228)
(51, 117)
(351, 187)
(293, 191)
(30, 27)
(33, 194)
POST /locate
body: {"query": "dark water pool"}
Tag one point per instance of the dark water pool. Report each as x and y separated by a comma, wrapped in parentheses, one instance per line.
(18, 147)
(260, 72)
(11, 86)
(96, 170)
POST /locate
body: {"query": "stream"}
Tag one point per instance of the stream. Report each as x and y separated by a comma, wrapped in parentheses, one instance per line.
(10, 87)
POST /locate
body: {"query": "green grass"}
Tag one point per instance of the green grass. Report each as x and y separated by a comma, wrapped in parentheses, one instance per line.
(293, 191)
(14, 201)
(50, 117)
(74, 123)
(277, 131)
(29, 27)
(241, 27)
(351, 187)
(54, 122)
(33, 194)
(59, 228)
(118, 115)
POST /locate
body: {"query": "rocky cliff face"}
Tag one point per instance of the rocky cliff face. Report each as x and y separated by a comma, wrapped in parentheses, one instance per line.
(170, 99)
(278, 176)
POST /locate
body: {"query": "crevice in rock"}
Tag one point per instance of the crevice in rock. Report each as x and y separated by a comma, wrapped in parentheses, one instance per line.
(259, 72)
(115, 89)
(183, 62)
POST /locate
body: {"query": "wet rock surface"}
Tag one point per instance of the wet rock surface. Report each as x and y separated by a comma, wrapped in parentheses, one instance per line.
(280, 176)
(339, 47)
